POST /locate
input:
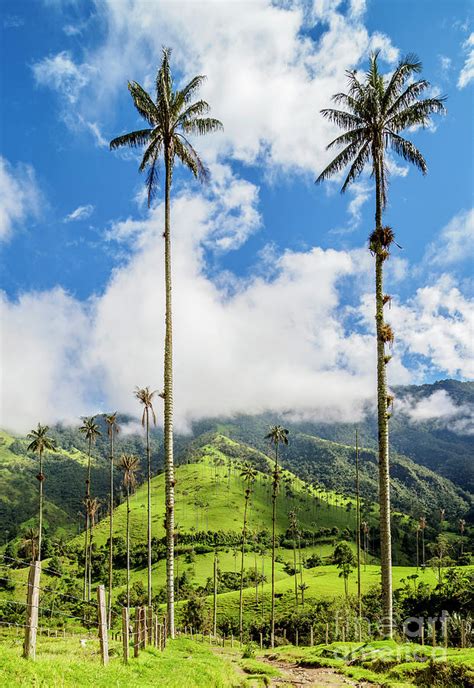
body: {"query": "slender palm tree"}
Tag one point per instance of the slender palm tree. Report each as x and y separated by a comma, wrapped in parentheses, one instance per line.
(93, 504)
(130, 465)
(40, 442)
(422, 525)
(462, 527)
(216, 580)
(90, 430)
(294, 530)
(29, 542)
(303, 587)
(359, 595)
(376, 111)
(113, 429)
(249, 474)
(418, 546)
(277, 435)
(171, 118)
(145, 397)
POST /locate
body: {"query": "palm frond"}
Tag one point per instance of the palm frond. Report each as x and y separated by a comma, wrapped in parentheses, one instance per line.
(339, 162)
(408, 65)
(134, 139)
(143, 103)
(357, 166)
(407, 151)
(417, 114)
(184, 96)
(152, 178)
(354, 135)
(189, 157)
(409, 96)
(153, 150)
(202, 126)
(344, 120)
(197, 109)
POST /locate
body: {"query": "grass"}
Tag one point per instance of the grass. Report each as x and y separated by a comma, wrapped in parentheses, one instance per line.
(396, 665)
(63, 663)
(205, 498)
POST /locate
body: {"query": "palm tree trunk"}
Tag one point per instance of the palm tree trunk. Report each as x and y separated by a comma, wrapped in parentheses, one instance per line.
(417, 549)
(111, 523)
(128, 547)
(241, 598)
(214, 617)
(359, 597)
(382, 417)
(296, 571)
(91, 534)
(274, 496)
(168, 404)
(149, 500)
(40, 527)
(86, 533)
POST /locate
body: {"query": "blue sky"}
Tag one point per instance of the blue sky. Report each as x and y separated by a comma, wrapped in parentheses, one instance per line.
(273, 282)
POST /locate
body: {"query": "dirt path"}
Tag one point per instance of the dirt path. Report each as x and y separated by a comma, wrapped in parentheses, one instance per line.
(296, 676)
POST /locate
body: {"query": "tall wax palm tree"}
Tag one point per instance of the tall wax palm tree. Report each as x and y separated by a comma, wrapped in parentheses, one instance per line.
(40, 442)
(462, 527)
(359, 596)
(249, 474)
(171, 118)
(129, 465)
(145, 397)
(376, 110)
(277, 435)
(90, 430)
(113, 429)
(294, 531)
(422, 525)
(92, 506)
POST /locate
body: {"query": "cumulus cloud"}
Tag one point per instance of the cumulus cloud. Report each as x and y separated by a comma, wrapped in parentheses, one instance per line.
(20, 196)
(439, 407)
(83, 212)
(467, 72)
(62, 73)
(455, 242)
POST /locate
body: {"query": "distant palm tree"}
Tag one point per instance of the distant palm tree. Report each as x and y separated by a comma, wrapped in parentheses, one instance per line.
(294, 531)
(277, 435)
(92, 506)
(29, 542)
(90, 430)
(422, 525)
(40, 442)
(171, 118)
(462, 527)
(376, 111)
(249, 474)
(130, 465)
(145, 397)
(303, 587)
(113, 429)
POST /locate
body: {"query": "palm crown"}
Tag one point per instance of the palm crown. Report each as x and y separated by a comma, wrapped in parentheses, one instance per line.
(112, 425)
(40, 440)
(90, 429)
(376, 111)
(277, 435)
(145, 397)
(171, 117)
(130, 465)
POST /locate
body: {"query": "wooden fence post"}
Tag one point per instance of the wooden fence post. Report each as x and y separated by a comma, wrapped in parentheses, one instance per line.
(165, 631)
(29, 646)
(296, 638)
(422, 630)
(445, 631)
(311, 637)
(155, 631)
(125, 634)
(327, 633)
(102, 613)
(433, 633)
(261, 640)
(136, 633)
(463, 633)
(160, 636)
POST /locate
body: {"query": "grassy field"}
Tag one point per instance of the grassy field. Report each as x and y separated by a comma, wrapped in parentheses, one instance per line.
(387, 663)
(63, 663)
(206, 499)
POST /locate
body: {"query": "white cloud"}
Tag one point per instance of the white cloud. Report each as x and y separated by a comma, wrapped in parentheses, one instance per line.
(455, 242)
(61, 73)
(440, 407)
(81, 213)
(467, 72)
(267, 79)
(20, 197)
